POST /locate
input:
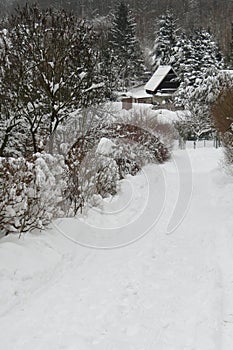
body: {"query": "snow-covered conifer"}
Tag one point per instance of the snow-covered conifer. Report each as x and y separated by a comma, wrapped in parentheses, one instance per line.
(165, 47)
(199, 74)
(128, 65)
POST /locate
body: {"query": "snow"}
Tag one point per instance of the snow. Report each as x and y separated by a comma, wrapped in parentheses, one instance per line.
(165, 115)
(105, 147)
(162, 115)
(94, 86)
(82, 75)
(138, 92)
(157, 78)
(158, 291)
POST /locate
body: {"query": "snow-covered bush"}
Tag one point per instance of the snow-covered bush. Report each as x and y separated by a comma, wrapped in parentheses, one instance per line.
(130, 158)
(95, 174)
(30, 192)
(98, 152)
(100, 157)
(148, 120)
(77, 126)
(107, 176)
(192, 127)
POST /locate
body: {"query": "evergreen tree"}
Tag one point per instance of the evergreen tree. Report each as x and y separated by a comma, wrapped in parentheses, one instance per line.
(199, 53)
(198, 71)
(128, 66)
(182, 54)
(102, 26)
(165, 48)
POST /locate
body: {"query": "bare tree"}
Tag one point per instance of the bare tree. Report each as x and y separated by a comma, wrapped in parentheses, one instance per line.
(49, 68)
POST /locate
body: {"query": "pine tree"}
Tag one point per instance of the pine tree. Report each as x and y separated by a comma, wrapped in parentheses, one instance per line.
(199, 53)
(128, 65)
(182, 55)
(165, 48)
(198, 71)
(102, 26)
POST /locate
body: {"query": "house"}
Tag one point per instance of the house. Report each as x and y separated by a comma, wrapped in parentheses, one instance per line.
(158, 90)
(136, 95)
(162, 85)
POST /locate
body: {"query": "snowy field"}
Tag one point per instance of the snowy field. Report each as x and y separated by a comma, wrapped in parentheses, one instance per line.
(151, 290)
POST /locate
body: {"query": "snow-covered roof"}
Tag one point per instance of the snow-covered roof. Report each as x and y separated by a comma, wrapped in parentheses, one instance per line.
(157, 78)
(139, 92)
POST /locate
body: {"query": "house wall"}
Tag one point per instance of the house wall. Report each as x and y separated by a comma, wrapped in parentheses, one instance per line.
(148, 100)
(127, 103)
(160, 99)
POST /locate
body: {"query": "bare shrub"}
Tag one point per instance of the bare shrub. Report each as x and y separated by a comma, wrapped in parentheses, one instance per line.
(91, 173)
(131, 157)
(147, 120)
(29, 193)
(95, 174)
(222, 111)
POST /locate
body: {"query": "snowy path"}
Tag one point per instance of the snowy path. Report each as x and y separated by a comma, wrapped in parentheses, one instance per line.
(163, 292)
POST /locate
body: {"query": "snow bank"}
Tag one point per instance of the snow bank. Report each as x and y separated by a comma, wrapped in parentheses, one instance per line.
(30, 263)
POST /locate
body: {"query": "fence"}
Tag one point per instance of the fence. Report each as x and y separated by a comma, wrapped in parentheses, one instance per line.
(181, 144)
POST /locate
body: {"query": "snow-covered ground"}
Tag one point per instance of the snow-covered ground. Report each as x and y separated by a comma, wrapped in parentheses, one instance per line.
(155, 291)
(162, 115)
